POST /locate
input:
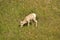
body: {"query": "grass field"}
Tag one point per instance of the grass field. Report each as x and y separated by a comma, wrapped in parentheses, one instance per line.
(48, 16)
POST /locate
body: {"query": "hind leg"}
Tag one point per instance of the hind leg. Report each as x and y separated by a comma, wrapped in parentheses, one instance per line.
(35, 22)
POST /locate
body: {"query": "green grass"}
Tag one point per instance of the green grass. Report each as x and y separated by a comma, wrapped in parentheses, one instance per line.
(48, 16)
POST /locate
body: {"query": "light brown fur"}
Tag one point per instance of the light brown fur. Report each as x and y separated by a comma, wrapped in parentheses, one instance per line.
(28, 18)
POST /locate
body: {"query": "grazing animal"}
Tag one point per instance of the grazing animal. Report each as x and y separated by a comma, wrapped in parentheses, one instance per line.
(28, 18)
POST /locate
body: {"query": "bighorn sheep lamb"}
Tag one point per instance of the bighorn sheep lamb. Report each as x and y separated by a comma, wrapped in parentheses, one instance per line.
(28, 18)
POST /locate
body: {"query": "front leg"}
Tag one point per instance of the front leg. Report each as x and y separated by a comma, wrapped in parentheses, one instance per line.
(28, 23)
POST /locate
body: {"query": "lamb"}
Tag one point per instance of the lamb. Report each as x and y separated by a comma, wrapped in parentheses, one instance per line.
(28, 19)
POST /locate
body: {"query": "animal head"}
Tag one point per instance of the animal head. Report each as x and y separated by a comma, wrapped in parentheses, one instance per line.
(22, 23)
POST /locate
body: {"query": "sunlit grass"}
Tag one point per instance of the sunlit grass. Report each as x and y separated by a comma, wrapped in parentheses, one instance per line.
(13, 11)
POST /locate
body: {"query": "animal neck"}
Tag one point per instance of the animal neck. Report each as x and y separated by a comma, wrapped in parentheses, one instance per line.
(24, 21)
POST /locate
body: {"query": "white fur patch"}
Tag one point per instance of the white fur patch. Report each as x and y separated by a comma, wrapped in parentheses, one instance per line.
(34, 14)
